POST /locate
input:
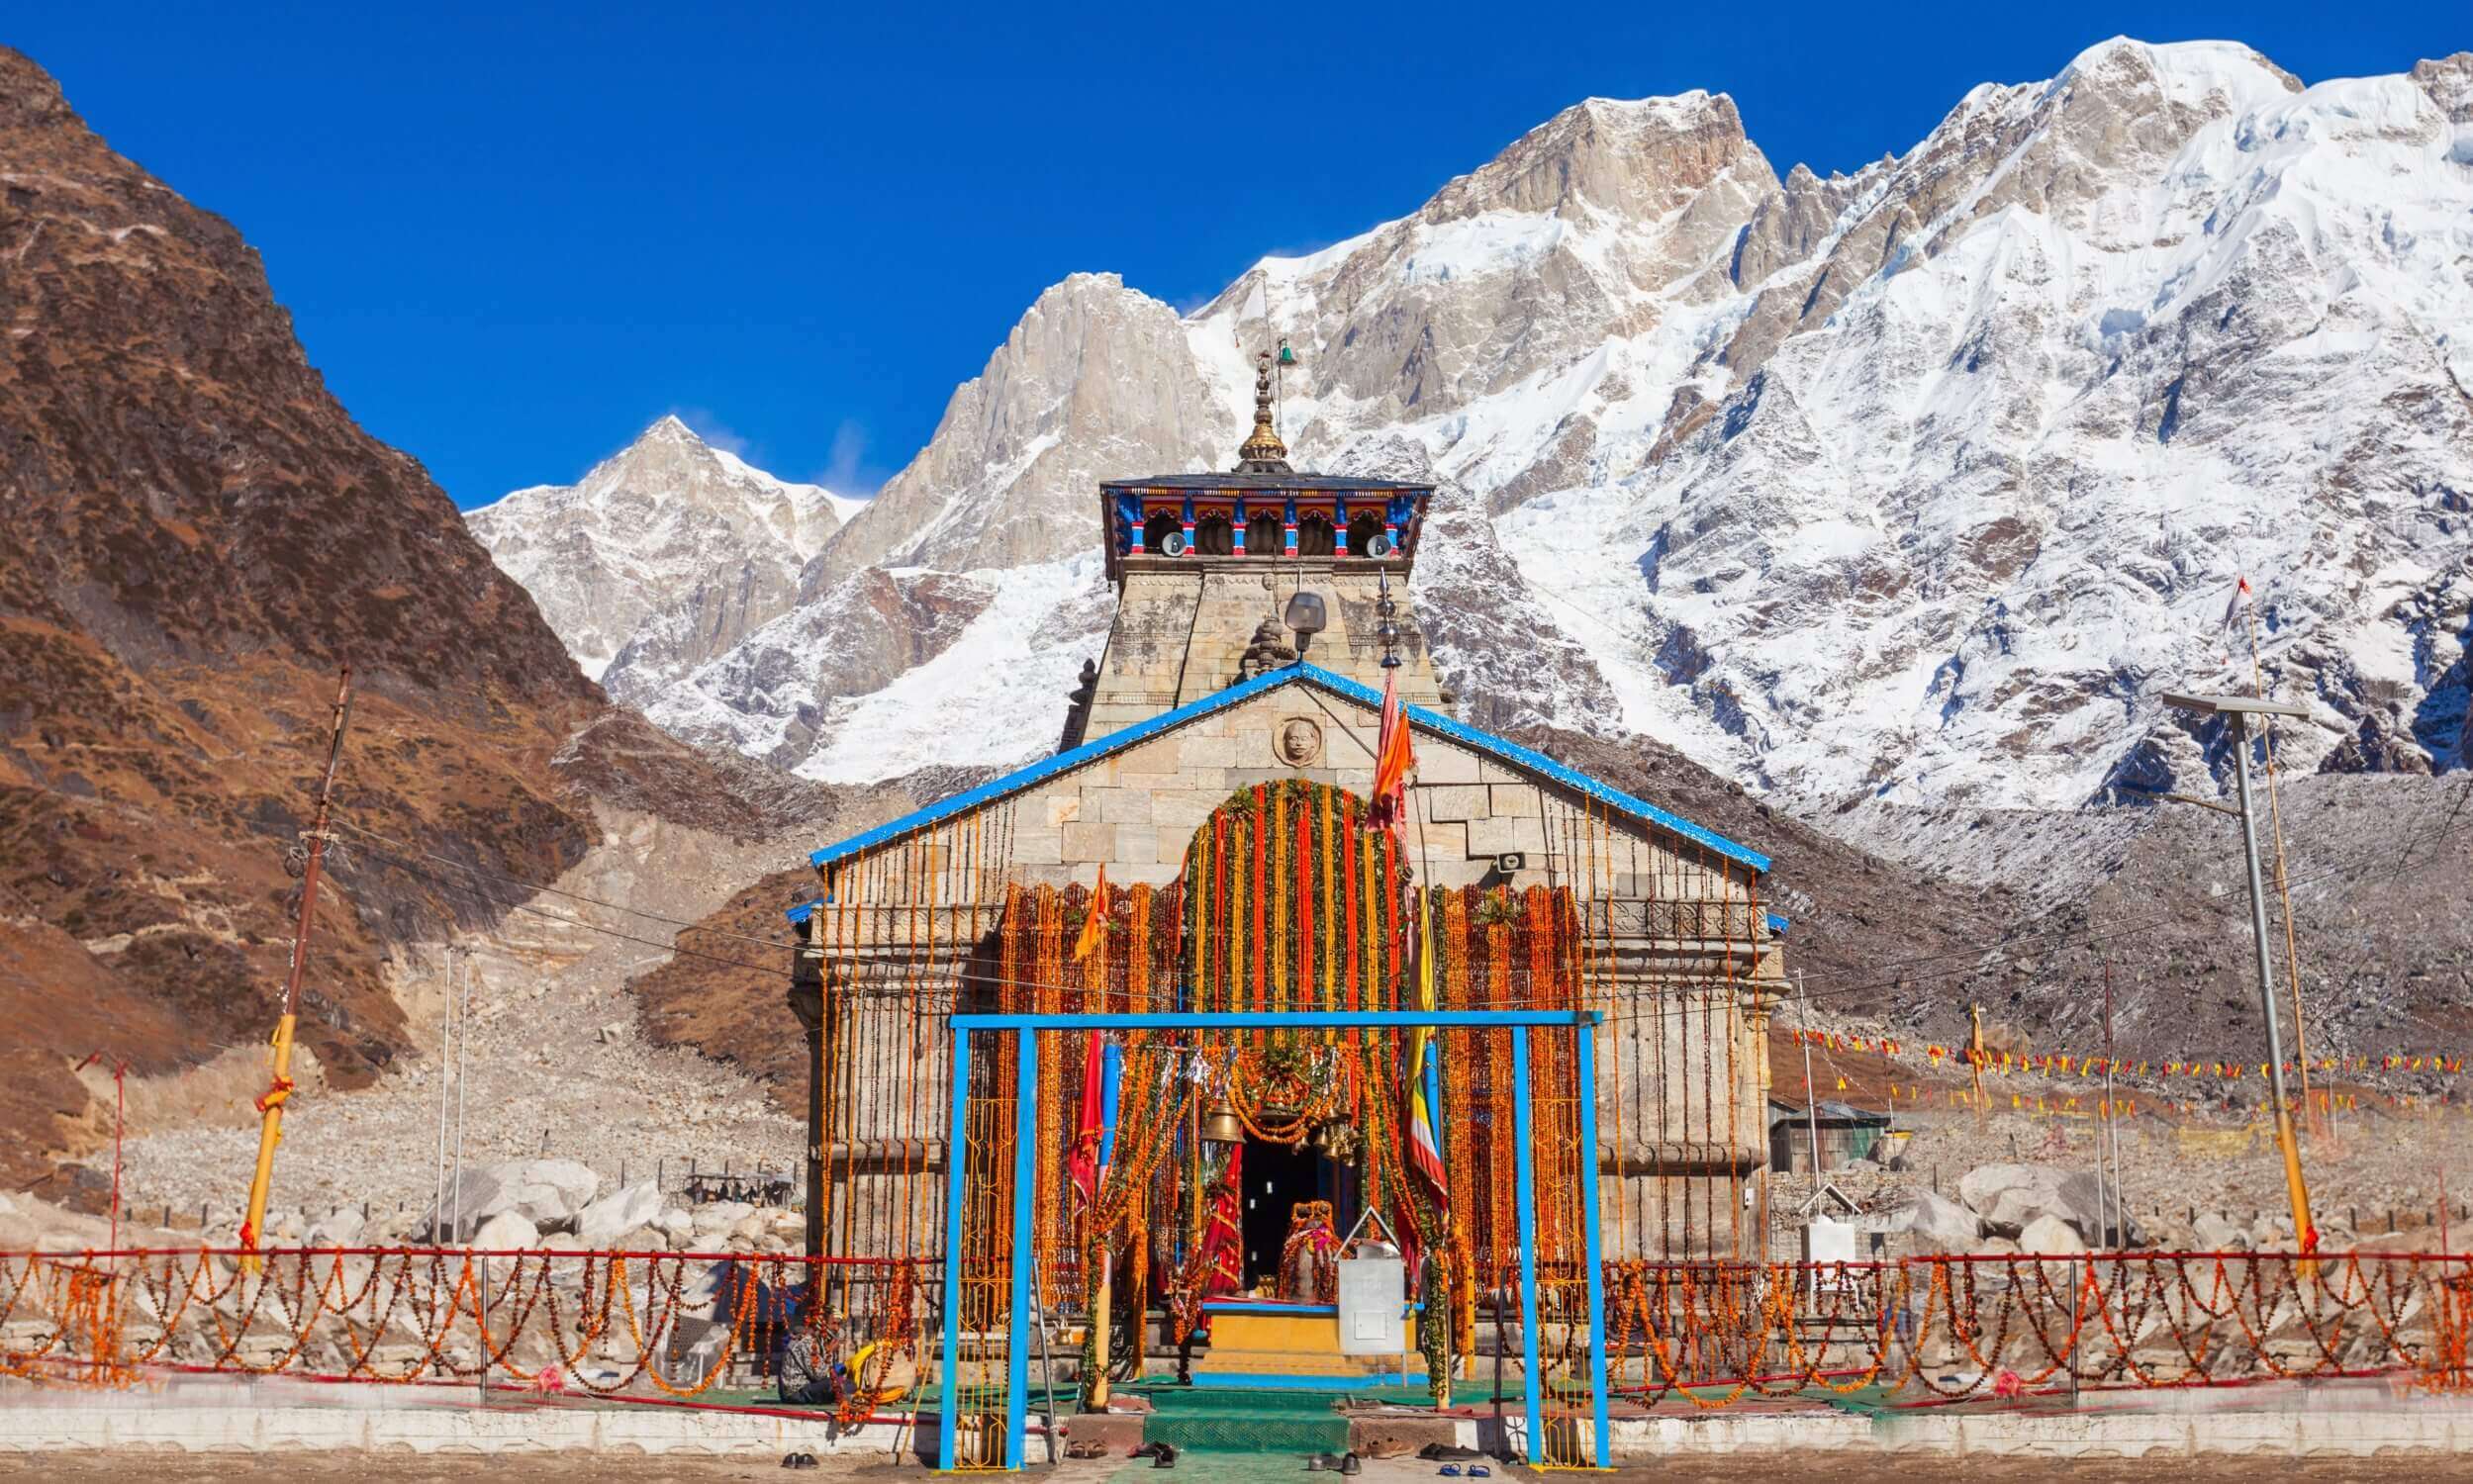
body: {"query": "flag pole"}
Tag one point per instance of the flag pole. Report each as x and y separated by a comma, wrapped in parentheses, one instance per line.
(279, 1088)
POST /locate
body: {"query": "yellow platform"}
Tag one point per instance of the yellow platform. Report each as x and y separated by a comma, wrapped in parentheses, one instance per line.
(1267, 1338)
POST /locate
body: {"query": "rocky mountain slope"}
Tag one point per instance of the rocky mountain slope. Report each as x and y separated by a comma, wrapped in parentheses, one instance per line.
(1916, 484)
(663, 556)
(198, 537)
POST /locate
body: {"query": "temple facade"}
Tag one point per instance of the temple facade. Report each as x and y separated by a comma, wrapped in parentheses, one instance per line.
(1210, 841)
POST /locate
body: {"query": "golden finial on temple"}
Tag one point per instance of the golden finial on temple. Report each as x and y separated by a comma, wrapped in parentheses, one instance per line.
(1262, 451)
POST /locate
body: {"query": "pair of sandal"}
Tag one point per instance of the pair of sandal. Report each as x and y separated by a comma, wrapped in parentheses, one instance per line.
(1473, 1471)
(1324, 1463)
(799, 1461)
(1161, 1454)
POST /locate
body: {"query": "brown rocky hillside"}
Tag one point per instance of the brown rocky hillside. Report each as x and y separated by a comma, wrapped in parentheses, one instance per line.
(198, 535)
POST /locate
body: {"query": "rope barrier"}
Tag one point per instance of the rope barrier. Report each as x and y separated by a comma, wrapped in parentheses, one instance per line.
(1711, 1333)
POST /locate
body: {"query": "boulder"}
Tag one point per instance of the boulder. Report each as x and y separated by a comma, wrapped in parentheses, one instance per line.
(2050, 1234)
(544, 1192)
(621, 1211)
(675, 1224)
(641, 1240)
(1942, 1225)
(2010, 1196)
(720, 1217)
(338, 1229)
(508, 1231)
(2211, 1233)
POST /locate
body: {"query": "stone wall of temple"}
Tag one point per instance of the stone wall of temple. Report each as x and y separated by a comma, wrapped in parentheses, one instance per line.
(1681, 956)
(1185, 624)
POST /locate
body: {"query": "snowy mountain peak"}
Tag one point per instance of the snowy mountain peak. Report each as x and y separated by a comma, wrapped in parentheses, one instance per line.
(1915, 482)
(2192, 73)
(664, 553)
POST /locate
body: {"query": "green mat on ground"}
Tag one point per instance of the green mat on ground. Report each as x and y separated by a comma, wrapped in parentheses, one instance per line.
(1214, 1421)
(1221, 1420)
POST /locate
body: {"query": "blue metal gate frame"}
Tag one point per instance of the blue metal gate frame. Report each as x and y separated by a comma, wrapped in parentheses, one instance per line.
(1027, 1122)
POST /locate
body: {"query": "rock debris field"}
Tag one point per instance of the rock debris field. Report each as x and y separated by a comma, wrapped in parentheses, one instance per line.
(554, 1069)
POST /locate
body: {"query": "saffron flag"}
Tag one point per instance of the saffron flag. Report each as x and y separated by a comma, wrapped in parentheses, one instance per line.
(1393, 759)
(1425, 1154)
(1094, 921)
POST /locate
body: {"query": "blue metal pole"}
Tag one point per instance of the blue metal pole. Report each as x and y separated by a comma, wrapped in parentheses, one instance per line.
(1025, 1168)
(957, 1139)
(1585, 1040)
(1528, 1240)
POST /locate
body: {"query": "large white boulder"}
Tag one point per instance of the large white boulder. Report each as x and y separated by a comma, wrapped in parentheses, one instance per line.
(546, 1192)
(2011, 1196)
(622, 1210)
(2050, 1234)
(506, 1232)
(720, 1217)
(337, 1229)
(1939, 1223)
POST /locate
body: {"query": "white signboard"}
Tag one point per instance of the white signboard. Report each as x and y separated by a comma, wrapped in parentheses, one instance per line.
(1372, 1303)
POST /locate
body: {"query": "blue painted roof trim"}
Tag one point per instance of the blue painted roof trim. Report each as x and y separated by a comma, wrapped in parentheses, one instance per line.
(1236, 694)
(1528, 758)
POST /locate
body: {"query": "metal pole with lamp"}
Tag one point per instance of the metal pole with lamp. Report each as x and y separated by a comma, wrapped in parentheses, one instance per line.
(2238, 710)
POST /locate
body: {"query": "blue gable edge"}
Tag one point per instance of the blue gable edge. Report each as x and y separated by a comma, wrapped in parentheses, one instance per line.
(1338, 685)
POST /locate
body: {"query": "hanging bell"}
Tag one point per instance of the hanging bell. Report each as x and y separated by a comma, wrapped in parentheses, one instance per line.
(1288, 357)
(1220, 1125)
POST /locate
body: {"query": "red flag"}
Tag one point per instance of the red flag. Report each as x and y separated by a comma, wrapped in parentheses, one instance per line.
(1082, 1165)
(1393, 759)
(1218, 1264)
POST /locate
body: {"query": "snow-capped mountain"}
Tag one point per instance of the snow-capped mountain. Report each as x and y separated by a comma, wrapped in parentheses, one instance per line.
(663, 556)
(1917, 484)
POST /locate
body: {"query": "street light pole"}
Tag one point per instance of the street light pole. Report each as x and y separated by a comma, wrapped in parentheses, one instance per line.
(2240, 710)
(2302, 1232)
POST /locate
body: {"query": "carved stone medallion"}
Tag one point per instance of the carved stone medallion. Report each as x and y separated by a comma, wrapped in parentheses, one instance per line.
(1299, 742)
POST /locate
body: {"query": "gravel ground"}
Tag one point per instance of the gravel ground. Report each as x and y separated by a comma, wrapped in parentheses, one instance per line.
(555, 1063)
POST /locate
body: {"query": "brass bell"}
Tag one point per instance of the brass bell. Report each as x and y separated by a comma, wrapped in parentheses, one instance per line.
(1220, 1125)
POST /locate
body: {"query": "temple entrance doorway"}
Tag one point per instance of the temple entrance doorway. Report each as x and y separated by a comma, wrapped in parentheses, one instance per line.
(1277, 1178)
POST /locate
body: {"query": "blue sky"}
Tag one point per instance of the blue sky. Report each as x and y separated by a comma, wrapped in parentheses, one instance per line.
(511, 237)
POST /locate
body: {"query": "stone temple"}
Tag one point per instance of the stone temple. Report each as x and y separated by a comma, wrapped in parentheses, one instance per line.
(1210, 842)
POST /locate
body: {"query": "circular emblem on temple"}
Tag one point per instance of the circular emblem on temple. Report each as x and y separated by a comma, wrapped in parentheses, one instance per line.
(1300, 742)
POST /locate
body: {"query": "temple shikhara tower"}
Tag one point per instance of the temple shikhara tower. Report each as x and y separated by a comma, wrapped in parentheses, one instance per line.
(1178, 960)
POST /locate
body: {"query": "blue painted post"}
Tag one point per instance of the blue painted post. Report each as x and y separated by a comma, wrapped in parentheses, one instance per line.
(1025, 1168)
(1520, 1127)
(957, 1141)
(1585, 1040)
